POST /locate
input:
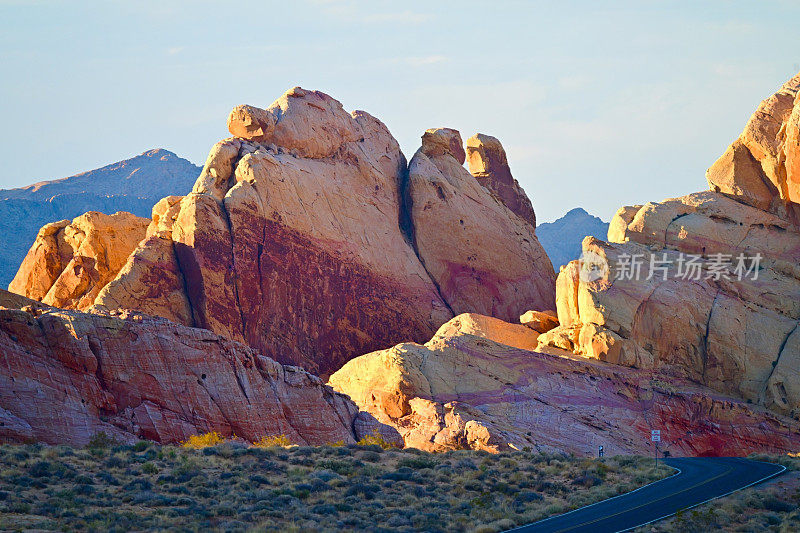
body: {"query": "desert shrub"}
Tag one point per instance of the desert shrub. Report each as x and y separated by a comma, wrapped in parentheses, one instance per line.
(149, 468)
(418, 463)
(342, 468)
(206, 440)
(376, 439)
(588, 480)
(772, 503)
(101, 441)
(273, 441)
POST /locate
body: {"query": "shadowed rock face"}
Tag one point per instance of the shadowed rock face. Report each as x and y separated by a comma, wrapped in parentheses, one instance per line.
(483, 257)
(736, 334)
(297, 240)
(476, 384)
(67, 375)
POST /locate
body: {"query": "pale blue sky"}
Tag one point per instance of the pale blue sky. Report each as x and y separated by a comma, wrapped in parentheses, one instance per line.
(596, 106)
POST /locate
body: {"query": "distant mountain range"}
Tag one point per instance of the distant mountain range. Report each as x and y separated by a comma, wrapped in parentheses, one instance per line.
(132, 185)
(562, 238)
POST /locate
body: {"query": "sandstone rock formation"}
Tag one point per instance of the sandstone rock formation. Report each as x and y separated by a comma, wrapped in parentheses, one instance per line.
(132, 185)
(488, 163)
(476, 384)
(299, 239)
(539, 321)
(483, 258)
(70, 262)
(762, 167)
(290, 240)
(68, 375)
(706, 285)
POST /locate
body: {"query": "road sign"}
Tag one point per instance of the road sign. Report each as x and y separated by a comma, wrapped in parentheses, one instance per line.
(600, 451)
(655, 435)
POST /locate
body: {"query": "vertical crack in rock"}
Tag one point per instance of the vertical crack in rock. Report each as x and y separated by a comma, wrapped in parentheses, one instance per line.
(235, 274)
(704, 345)
(406, 222)
(776, 362)
(185, 284)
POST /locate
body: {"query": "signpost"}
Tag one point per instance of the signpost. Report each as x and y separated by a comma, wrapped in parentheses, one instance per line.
(655, 436)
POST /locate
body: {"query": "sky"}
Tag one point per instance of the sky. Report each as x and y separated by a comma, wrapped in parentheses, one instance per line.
(598, 106)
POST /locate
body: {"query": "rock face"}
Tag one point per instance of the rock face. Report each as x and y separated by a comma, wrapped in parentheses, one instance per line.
(67, 375)
(70, 262)
(483, 258)
(300, 240)
(290, 240)
(762, 167)
(476, 384)
(539, 321)
(716, 298)
(562, 238)
(488, 163)
(132, 185)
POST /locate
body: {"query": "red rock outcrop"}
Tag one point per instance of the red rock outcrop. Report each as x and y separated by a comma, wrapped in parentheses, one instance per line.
(483, 258)
(290, 240)
(706, 285)
(67, 375)
(476, 384)
(488, 163)
(297, 240)
(70, 262)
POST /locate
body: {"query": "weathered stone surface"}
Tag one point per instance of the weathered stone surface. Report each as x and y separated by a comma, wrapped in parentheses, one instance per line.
(70, 262)
(760, 167)
(482, 257)
(731, 334)
(727, 314)
(290, 240)
(488, 163)
(539, 321)
(468, 388)
(150, 282)
(67, 375)
(163, 215)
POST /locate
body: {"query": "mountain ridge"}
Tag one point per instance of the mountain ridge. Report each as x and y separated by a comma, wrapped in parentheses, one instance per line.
(133, 185)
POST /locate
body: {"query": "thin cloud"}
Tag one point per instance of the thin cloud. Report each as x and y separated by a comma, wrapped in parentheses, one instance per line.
(175, 50)
(422, 61)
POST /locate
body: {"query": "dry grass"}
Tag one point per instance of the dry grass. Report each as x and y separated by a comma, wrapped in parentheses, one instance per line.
(231, 486)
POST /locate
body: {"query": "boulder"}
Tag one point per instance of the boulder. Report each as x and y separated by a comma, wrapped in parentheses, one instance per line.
(539, 321)
(70, 262)
(475, 385)
(488, 163)
(68, 375)
(482, 257)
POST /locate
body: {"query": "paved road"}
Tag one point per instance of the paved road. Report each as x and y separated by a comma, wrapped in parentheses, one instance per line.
(699, 480)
